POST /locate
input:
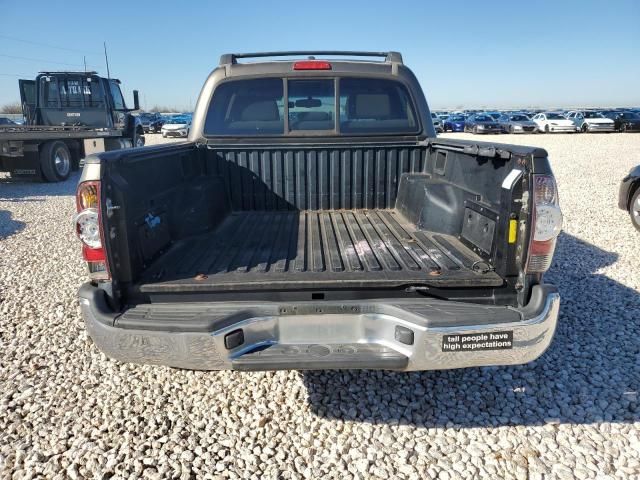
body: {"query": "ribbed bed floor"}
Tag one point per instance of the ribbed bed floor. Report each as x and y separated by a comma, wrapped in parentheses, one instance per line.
(314, 249)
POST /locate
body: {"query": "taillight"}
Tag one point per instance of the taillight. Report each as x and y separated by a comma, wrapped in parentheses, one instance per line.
(89, 230)
(312, 65)
(546, 224)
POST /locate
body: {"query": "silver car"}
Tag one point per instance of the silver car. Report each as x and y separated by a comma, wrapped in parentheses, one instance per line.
(437, 123)
(589, 121)
(176, 127)
(517, 123)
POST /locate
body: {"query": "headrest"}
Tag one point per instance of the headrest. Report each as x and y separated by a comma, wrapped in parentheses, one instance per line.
(260, 110)
(314, 116)
(371, 105)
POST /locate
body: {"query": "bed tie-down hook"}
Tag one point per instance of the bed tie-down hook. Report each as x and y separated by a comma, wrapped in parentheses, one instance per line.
(483, 267)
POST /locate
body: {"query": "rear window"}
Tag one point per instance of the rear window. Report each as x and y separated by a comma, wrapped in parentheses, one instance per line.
(258, 107)
(74, 91)
(247, 107)
(312, 104)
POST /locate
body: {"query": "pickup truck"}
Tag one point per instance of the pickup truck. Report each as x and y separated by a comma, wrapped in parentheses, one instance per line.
(313, 220)
(69, 115)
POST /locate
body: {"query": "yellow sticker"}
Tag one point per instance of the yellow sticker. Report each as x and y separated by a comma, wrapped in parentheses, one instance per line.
(513, 231)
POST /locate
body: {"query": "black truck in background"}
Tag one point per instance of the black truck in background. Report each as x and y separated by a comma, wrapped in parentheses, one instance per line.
(68, 115)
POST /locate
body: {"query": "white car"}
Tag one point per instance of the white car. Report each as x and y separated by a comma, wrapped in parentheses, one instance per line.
(176, 127)
(554, 122)
(591, 121)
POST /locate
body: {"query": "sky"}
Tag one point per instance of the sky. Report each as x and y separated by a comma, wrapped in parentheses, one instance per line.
(470, 54)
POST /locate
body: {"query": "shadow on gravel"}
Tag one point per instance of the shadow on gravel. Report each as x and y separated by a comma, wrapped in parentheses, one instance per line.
(8, 225)
(21, 190)
(591, 372)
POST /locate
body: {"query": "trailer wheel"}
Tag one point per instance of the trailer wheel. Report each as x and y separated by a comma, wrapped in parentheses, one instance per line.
(139, 141)
(55, 161)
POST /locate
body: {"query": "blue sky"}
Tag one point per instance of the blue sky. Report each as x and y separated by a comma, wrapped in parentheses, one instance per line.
(471, 54)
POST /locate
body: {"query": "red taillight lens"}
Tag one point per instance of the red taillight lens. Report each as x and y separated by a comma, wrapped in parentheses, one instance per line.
(546, 224)
(93, 254)
(89, 229)
(312, 65)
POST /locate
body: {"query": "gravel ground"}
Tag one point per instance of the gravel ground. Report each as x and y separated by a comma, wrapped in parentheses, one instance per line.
(66, 411)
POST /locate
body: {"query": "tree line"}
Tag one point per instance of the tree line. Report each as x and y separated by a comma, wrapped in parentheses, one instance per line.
(14, 107)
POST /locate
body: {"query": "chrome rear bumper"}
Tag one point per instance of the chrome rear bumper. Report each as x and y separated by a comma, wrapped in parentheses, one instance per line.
(386, 334)
(601, 128)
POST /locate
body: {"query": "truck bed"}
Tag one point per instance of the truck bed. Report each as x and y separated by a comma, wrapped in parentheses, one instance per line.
(314, 249)
(52, 132)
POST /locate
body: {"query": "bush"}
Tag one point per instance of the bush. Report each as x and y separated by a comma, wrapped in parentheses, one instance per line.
(11, 108)
(161, 109)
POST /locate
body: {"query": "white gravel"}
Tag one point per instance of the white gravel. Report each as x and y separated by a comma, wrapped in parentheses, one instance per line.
(66, 411)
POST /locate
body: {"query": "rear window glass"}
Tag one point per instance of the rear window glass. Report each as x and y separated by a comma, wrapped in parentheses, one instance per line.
(50, 92)
(247, 107)
(258, 107)
(375, 106)
(72, 91)
(93, 96)
(312, 104)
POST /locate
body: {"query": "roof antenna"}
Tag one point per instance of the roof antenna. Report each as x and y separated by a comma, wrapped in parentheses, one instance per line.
(106, 59)
(84, 59)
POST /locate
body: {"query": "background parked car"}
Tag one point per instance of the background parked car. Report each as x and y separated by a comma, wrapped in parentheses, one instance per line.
(482, 123)
(624, 121)
(589, 121)
(494, 114)
(177, 127)
(156, 125)
(6, 121)
(151, 122)
(549, 122)
(437, 123)
(629, 195)
(454, 123)
(517, 123)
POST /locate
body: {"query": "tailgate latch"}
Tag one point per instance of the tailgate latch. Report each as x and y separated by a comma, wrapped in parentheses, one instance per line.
(111, 207)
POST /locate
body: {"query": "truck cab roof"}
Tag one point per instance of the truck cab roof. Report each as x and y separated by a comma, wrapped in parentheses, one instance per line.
(307, 65)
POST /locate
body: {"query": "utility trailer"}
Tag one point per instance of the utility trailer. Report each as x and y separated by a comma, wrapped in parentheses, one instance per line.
(69, 115)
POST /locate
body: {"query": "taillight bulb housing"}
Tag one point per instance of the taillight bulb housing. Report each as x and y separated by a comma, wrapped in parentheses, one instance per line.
(88, 228)
(546, 223)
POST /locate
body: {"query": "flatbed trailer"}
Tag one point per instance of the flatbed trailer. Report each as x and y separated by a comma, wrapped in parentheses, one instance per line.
(48, 132)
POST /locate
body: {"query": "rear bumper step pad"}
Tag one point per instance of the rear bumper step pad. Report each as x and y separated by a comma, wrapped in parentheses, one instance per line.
(321, 357)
